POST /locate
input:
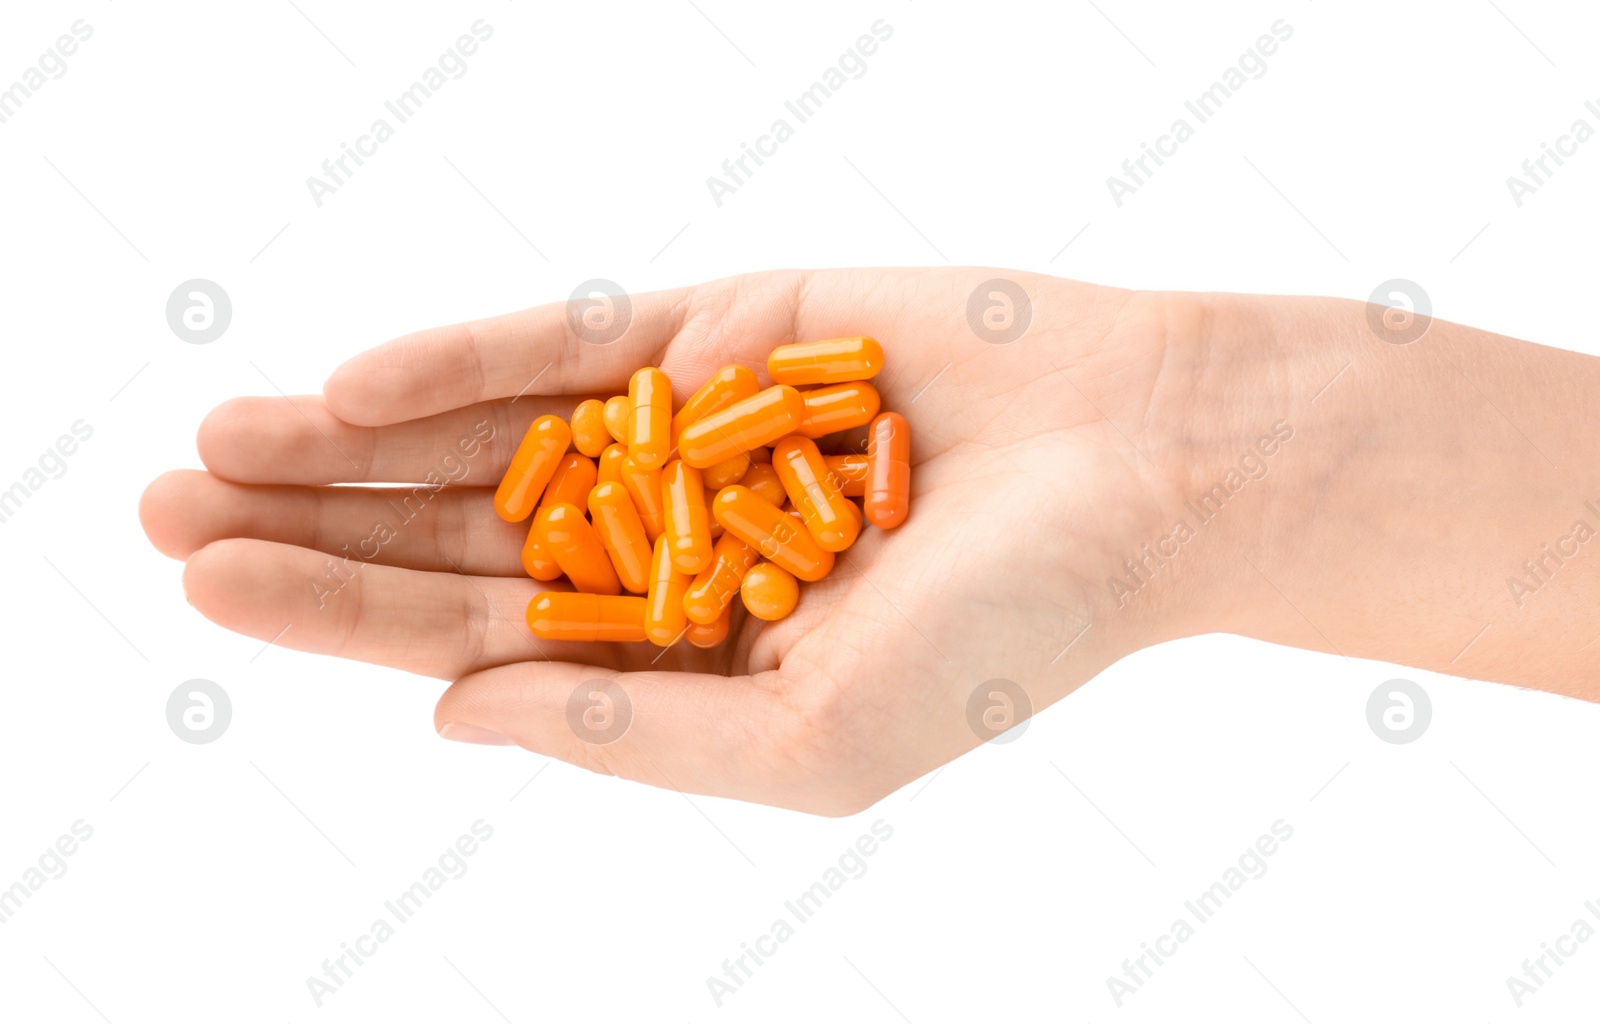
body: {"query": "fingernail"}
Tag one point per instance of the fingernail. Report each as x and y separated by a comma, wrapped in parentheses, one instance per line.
(460, 732)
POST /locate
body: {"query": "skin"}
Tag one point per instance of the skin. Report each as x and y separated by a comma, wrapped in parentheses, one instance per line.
(1416, 479)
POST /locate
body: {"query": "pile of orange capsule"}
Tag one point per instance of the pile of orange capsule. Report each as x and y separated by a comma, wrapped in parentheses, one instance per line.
(658, 519)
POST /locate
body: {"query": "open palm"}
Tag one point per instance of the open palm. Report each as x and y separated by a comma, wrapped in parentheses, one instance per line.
(1025, 489)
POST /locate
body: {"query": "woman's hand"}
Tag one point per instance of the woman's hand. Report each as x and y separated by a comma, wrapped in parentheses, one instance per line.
(1029, 481)
(1133, 468)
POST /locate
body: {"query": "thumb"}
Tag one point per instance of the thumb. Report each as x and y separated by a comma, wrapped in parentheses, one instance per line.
(717, 735)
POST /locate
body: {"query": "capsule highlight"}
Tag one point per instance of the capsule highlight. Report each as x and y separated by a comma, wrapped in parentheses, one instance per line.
(589, 434)
(886, 499)
(586, 617)
(827, 513)
(745, 425)
(838, 407)
(569, 539)
(622, 533)
(830, 361)
(531, 468)
(769, 592)
(664, 617)
(766, 529)
(649, 418)
(708, 596)
(687, 526)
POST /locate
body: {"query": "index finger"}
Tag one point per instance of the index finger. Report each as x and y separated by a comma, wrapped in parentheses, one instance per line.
(557, 349)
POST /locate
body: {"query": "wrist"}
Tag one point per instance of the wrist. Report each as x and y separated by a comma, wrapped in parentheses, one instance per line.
(1247, 451)
(1420, 478)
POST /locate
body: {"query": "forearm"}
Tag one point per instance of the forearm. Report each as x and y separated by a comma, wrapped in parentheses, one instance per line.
(1438, 504)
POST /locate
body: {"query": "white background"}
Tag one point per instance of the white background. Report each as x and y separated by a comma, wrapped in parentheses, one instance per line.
(578, 145)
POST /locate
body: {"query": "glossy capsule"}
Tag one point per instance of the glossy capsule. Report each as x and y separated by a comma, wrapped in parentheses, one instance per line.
(649, 418)
(576, 547)
(886, 499)
(763, 479)
(804, 477)
(536, 560)
(664, 618)
(558, 616)
(574, 476)
(644, 487)
(838, 407)
(760, 455)
(832, 361)
(711, 592)
(765, 528)
(622, 533)
(589, 434)
(687, 525)
(611, 463)
(726, 472)
(758, 420)
(727, 386)
(616, 418)
(712, 633)
(848, 473)
(532, 467)
(713, 525)
(769, 592)
(571, 482)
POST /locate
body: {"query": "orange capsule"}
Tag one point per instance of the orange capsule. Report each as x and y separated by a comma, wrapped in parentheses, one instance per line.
(727, 386)
(589, 434)
(760, 419)
(687, 526)
(711, 633)
(714, 526)
(649, 418)
(726, 472)
(712, 591)
(611, 463)
(764, 527)
(664, 619)
(760, 455)
(616, 418)
(560, 616)
(763, 479)
(576, 547)
(838, 407)
(644, 487)
(531, 468)
(769, 592)
(833, 361)
(622, 533)
(887, 497)
(571, 482)
(536, 559)
(805, 480)
(848, 473)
